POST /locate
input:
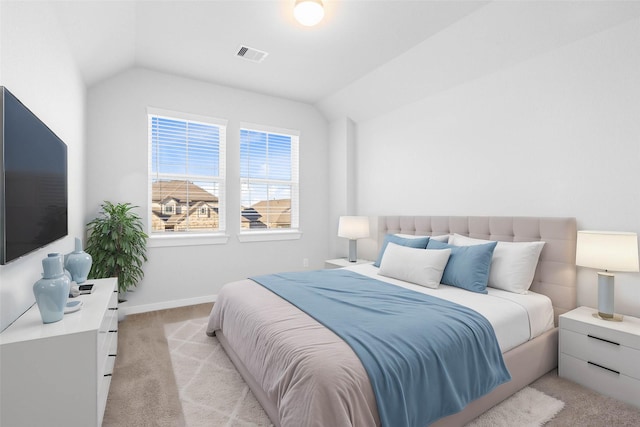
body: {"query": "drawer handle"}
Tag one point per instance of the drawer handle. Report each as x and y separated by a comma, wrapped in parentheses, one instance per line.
(112, 355)
(602, 339)
(113, 308)
(603, 367)
(114, 330)
(108, 375)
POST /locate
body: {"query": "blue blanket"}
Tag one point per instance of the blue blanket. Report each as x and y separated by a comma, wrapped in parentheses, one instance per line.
(426, 357)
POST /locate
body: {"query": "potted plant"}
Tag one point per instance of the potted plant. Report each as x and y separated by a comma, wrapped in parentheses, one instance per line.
(118, 245)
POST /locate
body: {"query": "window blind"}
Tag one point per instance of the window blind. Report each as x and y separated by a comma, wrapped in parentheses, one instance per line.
(186, 173)
(269, 179)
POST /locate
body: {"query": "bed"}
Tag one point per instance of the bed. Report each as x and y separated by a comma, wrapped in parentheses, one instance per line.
(290, 360)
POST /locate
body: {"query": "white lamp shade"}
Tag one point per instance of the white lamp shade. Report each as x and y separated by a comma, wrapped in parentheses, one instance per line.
(308, 12)
(607, 250)
(353, 227)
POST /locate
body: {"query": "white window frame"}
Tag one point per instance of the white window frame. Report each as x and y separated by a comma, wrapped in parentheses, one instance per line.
(293, 233)
(189, 238)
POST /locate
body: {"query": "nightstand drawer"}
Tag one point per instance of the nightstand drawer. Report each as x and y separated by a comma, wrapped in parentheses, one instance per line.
(601, 351)
(624, 333)
(619, 386)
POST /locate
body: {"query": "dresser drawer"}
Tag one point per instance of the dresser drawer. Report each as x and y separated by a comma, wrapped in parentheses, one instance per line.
(111, 315)
(109, 352)
(113, 344)
(619, 386)
(602, 351)
(103, 393)
(109, 324)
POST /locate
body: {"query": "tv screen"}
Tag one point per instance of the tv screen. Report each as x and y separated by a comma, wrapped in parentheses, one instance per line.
(33, 182)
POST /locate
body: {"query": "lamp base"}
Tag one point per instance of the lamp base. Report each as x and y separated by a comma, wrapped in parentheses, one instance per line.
(614, 318)
(353, 255)
(605, 295)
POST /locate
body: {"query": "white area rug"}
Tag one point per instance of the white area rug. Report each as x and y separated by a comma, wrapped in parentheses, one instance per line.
(211, 390)
(527, 408)
(213, 393)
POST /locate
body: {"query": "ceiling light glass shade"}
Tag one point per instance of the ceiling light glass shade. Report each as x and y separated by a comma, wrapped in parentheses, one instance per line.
(607, 250)
(308, 12)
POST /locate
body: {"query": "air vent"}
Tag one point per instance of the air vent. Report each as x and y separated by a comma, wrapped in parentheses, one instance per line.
(251, 54)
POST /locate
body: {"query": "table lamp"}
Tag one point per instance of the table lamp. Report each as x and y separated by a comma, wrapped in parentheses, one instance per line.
(353, 228)
(608, 251)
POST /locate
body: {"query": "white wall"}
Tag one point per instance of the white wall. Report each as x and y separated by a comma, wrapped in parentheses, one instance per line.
(36, 66)
(117, 171)
(342, 168)
(557, 135)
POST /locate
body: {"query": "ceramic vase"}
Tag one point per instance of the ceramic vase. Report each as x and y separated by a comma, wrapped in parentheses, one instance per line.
(78, 263)
(52, 290)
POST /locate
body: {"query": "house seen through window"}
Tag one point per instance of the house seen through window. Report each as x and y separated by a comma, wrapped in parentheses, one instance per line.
(186, 173)
(268, 178)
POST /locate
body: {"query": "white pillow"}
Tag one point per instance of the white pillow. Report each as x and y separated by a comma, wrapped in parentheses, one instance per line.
(423, 267)
(513, 264)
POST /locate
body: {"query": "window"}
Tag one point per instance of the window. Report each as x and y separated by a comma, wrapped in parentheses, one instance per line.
(169, 208)
(186, 173)
(269, 178)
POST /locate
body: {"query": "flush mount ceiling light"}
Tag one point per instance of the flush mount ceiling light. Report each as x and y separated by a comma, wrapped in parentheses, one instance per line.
(308, 12)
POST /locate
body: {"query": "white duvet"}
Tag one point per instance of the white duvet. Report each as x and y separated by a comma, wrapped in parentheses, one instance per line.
(516, 318)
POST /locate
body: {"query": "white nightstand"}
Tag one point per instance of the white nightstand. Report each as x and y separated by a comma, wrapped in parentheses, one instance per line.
(601, 355)
(343, 262)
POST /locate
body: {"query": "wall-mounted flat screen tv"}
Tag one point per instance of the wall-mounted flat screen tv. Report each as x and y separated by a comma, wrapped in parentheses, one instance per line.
(33, 181)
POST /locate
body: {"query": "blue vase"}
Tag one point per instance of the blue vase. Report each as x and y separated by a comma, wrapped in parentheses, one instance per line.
(52, 290)
(78, 263)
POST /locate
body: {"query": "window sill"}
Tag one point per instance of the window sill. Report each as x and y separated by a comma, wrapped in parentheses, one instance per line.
(266, 236)
(165, 241)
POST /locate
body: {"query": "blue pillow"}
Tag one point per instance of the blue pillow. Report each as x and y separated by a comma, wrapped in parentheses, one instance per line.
(418, 243)
(468, 266)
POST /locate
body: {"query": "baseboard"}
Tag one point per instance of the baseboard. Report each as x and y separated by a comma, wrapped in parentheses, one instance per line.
(125, 310)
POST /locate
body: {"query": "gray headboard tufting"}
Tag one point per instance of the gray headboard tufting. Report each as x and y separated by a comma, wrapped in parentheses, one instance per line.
(556, 273)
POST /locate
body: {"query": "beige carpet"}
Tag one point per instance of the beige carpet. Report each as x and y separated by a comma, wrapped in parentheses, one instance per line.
(144, 391)
(213, 393)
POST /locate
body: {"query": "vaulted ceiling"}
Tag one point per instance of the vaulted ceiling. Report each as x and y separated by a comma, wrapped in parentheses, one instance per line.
(350, 53)
(200, 39)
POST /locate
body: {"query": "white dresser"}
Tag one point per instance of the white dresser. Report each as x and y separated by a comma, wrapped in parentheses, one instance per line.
(601, 355)
(59, 374)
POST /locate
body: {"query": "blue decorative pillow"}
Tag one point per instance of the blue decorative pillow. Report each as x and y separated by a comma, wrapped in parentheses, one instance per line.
(417, 242)
(467, 268)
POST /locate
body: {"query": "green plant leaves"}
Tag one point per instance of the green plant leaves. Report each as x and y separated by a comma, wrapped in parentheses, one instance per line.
(117, 242)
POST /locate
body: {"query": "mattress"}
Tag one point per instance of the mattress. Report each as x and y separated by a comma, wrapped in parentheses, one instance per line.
(516, 318)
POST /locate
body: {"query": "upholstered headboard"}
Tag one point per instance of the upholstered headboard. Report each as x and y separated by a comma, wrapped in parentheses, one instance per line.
(556, 273)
